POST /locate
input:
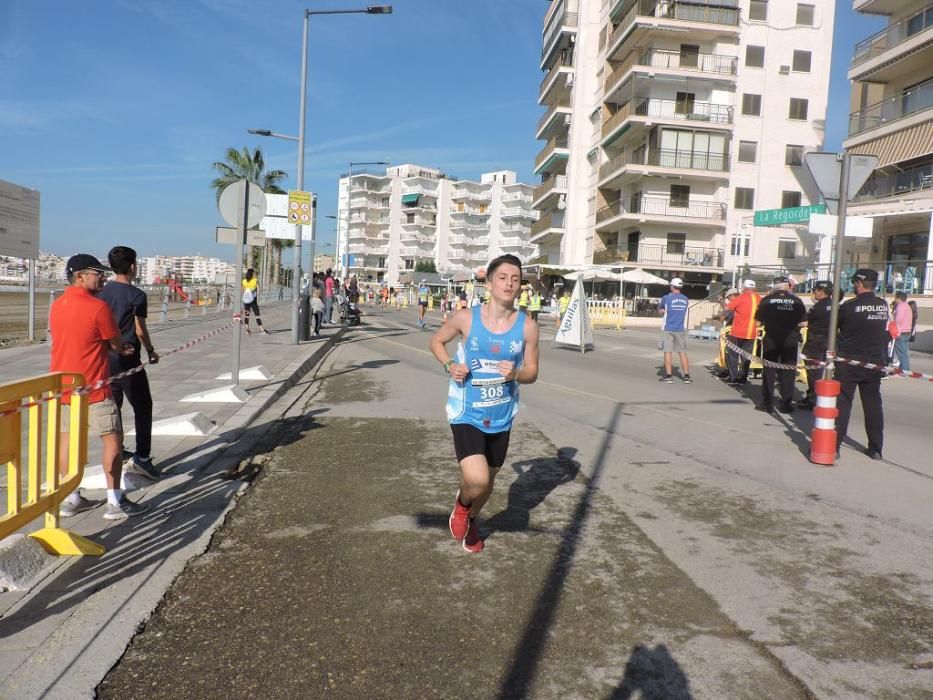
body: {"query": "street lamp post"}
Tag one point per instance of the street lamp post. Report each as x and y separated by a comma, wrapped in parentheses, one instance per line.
(296, 264)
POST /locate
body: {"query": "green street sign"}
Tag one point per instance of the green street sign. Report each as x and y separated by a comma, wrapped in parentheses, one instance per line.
(792, 215)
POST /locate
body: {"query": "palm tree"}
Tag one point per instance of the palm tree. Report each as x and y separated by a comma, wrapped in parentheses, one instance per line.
(251, 165)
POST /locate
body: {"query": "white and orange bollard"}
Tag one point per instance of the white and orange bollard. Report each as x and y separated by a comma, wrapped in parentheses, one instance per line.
(823, 437)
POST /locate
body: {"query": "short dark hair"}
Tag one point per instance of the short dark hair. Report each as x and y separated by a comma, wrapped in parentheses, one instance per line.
(121, 259)
(507, 259)
(902, 296)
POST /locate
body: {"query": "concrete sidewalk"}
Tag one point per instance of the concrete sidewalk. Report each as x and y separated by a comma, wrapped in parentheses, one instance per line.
(59, 638)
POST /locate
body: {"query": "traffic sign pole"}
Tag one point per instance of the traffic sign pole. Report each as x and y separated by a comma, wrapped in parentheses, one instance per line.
(237, 293)
(837, 263)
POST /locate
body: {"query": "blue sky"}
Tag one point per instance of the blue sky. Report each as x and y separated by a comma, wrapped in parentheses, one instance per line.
(115, 109)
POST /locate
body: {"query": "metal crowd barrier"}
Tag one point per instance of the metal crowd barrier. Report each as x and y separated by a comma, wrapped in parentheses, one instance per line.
(606, 313)
(755, 365)
(22, 406)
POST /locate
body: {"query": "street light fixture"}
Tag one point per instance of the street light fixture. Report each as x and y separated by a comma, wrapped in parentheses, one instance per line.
(296, 267)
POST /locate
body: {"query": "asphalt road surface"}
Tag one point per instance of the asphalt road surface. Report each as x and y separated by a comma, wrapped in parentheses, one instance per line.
(644, 540)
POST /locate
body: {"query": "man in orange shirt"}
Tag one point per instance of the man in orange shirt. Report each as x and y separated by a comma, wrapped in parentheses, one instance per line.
(83, 329)
(744, 330)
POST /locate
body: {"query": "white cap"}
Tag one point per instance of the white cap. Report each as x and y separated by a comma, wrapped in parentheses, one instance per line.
(749, 284)
(677, 282)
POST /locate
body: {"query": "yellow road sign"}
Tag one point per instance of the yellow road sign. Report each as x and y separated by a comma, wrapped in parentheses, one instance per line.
(299, 207)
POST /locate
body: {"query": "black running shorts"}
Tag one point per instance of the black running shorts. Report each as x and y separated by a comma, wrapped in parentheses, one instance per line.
(469, 441)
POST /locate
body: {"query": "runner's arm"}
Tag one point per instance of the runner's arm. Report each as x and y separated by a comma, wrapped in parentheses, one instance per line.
(528, 372)
(455, 326)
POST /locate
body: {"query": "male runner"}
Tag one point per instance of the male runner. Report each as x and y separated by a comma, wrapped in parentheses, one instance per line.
(497, 352)
(423, 293)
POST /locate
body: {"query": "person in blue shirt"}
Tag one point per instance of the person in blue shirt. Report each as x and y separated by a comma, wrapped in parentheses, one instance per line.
(498, 350)
(673, 307)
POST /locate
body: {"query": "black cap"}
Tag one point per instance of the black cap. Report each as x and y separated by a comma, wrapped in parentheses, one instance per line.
(823, 285)
(83, 261)
(781, 279)
(865, 275)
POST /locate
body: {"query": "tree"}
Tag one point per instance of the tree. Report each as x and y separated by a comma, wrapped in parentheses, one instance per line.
(425, 266)
(251, 165)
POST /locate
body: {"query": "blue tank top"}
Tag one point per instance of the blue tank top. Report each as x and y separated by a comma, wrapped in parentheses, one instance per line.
(486, 400)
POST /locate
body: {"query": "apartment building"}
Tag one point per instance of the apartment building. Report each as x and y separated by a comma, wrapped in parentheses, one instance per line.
(189, 268)
(668, 123)
(892, 118)
(393, 220)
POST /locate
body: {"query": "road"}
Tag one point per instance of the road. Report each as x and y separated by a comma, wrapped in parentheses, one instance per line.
(643, 537)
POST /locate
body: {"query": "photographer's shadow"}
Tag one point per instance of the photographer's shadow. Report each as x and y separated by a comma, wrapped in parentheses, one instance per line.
(536, 479)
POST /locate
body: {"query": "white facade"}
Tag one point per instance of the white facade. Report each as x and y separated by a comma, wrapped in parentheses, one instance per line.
(648, 102)
(412, 213)
(190, 268)
(892, 118)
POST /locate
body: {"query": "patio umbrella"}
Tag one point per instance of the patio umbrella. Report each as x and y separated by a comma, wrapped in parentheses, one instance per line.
(593, 275)
(640, 276)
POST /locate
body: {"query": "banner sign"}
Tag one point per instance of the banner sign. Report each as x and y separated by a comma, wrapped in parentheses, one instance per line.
(575, 327)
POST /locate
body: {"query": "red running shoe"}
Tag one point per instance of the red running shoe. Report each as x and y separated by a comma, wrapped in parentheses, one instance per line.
(459, 519)
(472, 542)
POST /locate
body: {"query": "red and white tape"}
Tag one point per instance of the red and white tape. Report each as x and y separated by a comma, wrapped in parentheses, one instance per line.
(88, 388)
(812, 362)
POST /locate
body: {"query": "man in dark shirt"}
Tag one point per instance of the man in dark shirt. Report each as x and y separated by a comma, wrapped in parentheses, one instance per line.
(129, 305)
(817, 337)
(863, 336)
(782, 314)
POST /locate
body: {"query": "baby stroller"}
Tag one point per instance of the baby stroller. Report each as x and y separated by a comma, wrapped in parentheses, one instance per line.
(349, 313)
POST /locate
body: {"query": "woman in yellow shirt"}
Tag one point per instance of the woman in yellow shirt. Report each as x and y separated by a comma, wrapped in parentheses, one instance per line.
(251, 301)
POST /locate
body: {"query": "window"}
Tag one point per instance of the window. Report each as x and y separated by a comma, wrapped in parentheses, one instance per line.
(793, 155)
(802, 61)
(409, 263)
(787, 249)
(676, 243)
(751, 104)
(737, 245)
(744, 198)
(684, 103)
(758, 10)
(409, 218)
(380, 262)
(748, 151)
(680, 195)
(755, 56)
(790, 198)
(689, 55)
(385, 202)
(805, 14)
(798, 108)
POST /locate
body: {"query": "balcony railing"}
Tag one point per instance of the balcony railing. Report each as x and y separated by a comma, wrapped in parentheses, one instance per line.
(517, 211)
(469, 240)
(363, 220)
(663, 158)
(702, 62)
(662, 206)
(553, 182)
(420, 189)
(684, 110)
(565, 61)
(878, 186)
(892, 35)
(545, 153)
(410, 250)
(672, 9)
(513, 242)
(552, 110)
(462, 192)
(564, 19)
(916, 99)
(548, 221)
(517, 197)
(616, 119)
(671, 254)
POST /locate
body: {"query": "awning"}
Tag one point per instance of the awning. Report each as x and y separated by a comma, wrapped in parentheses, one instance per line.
(410, 198)
(906, 144)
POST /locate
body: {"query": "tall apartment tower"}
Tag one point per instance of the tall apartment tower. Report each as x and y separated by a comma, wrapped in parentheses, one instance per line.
(409, 213)
(668, 123)
(892, 118)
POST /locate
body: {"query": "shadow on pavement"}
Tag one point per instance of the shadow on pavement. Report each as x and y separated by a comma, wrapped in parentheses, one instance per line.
(527, 655)
(652, 674)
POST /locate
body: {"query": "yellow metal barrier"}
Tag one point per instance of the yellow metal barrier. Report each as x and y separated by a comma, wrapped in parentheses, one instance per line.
(26, 474)
(606, 313)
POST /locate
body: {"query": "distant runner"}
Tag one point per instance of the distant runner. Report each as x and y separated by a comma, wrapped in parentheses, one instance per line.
(497, 352)
(423, 293)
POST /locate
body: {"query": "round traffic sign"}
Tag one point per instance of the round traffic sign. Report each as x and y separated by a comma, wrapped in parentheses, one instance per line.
(230, 204)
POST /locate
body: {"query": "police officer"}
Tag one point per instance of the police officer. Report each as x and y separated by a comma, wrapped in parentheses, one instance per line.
(782, 314)
(817, 337)
(863, 335)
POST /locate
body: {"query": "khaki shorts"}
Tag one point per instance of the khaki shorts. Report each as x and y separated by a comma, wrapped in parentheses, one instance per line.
(674, 341)
(103, 418)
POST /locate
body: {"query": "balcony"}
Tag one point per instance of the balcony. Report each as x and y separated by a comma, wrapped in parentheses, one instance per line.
(369, 249)
(562, 22)
(420, 189)
(555, 148)
(465, 193)
(411, 235)
(509, 197)
(714, 65)
(666, 159)
(891, 37)
(419, 222)
(700, 113)
(467, 226)
(516, 213)
(560, 107)
(513, 242)
(555, 183)
(673, 255)
(562, 66)
(478, 241)
(640, 206)
(672, 14)
(546, 223)
(880, 185)
(916, 99)
(415, 251)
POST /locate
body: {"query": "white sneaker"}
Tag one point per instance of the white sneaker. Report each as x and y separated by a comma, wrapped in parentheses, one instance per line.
(68, 510)
(125, 509)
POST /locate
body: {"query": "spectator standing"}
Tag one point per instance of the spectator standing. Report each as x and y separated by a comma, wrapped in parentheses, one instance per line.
(534, 304)
(83, 330)
(864, 336)
(782, 314)
(328, 296)
(817, 338)
(251, 301)
(744, 330)
(317, 309)
(129, 306)
(904, 318)
(673, 307)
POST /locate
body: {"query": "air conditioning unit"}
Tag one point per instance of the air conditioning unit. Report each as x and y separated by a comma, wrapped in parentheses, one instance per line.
(784, 70)
(569, 79)
(566, 120)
